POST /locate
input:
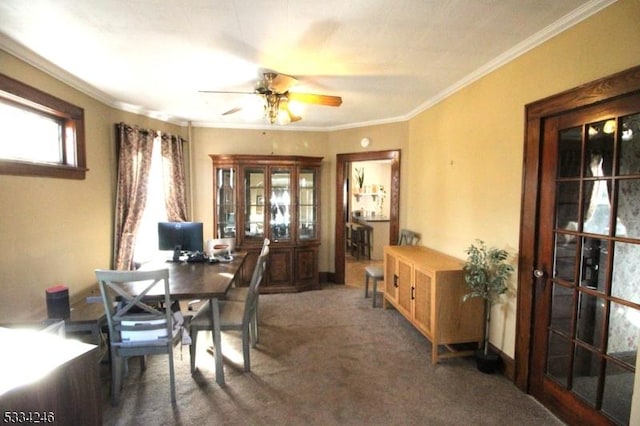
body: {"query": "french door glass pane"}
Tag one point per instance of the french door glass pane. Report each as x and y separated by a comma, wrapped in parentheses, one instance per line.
(590, 319)
(630, 145)
(558, 359)
(586, 369)
(626, 276)
(569, 152)
(594, 262)
(618, 388)
(562, 308)
(628, 221)
(565, 258)
(596, 207)
(624, 329)
(567, 205)
(599, 149)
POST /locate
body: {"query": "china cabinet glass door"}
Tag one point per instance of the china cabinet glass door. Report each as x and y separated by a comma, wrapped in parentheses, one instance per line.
(280, 204)
(307, 205)
(254, 203)
(225, 203)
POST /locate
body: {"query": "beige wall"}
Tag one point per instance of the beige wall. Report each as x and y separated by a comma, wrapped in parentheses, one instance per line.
(466, 183)
(57, 231)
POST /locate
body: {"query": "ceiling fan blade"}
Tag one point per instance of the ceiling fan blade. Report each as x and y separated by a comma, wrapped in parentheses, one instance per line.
(292, 117)
(310, 98)
(279, 83)
(232, 111)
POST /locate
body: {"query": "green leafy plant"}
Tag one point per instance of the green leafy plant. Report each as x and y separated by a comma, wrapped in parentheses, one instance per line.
(359, 175)
(487, 272)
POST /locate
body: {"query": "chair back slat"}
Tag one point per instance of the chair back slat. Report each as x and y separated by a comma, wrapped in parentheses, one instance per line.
(408, 238)
(131, 320)
(256, 280)
(135, 327)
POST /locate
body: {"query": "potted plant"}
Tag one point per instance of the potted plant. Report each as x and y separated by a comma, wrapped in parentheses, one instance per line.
(486, 274)
(359, 175)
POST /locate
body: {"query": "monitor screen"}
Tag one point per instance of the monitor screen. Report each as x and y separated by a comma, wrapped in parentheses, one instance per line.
(186, 236)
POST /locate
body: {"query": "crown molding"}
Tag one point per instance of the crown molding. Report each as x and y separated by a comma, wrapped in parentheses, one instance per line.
(559, 26)
(568, 21)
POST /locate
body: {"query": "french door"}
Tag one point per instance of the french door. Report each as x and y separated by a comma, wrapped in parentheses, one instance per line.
(586, 323)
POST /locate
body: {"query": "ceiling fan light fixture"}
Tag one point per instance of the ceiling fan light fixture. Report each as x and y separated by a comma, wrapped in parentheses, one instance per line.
(272, 107)
(273, 91)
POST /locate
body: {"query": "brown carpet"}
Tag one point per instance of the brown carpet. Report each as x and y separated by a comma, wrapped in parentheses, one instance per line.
(325, 358)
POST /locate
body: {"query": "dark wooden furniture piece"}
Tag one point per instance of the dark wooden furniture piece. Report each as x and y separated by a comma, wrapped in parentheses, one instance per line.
(359, 240)
(276, 197)
(87, 316)
(68, 389)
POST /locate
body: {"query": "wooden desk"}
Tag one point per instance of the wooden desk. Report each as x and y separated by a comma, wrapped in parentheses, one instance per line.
(48, 379)
(202, 281)
(87, 315)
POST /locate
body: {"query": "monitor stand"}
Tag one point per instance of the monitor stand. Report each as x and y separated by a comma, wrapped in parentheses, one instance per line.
(176, 254)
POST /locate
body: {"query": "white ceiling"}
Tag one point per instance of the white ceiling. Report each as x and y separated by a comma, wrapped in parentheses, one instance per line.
(388, 59)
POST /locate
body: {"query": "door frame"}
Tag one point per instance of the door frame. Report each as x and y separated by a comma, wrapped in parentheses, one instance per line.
(599, 91)
(342, 203)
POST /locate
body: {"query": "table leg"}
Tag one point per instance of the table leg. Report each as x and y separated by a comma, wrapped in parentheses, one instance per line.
(217, 340)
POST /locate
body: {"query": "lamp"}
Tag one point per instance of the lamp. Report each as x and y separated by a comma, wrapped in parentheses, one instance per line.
(276, 109)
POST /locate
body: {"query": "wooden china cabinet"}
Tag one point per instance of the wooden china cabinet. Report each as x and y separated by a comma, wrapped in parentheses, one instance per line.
(276, 197)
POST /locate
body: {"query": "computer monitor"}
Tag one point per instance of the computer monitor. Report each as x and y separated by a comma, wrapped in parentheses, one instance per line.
(180, 236)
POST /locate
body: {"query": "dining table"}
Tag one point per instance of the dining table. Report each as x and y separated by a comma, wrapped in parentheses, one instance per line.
(201, 280)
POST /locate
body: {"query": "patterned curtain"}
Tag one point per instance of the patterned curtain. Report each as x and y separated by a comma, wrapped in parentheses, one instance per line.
(174, 178)
(135, 147)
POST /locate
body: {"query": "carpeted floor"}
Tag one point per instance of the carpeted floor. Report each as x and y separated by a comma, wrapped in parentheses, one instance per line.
(325, 358)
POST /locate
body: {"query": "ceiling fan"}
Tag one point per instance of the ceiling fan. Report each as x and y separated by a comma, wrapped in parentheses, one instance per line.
(274, 88)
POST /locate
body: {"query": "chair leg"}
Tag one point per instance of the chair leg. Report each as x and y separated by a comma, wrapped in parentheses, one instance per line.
(172, 378)
(192, 349)
(116, 376)
(366, 285)
(246, 349)
(256, 332)
(375, 291)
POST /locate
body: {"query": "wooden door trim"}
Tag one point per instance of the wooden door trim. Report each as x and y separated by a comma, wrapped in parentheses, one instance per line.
(617, 85)
(341, 206)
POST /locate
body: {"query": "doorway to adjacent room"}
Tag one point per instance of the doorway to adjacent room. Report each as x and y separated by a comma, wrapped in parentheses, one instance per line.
(344, 211)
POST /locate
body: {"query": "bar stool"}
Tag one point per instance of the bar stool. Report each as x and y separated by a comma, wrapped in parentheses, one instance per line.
(347, 236)
(361, 236)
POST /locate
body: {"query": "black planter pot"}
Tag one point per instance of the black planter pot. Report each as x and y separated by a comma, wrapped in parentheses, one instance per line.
(488, 363)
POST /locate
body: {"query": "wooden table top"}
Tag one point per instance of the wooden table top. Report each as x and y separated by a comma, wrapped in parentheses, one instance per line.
(198, 280)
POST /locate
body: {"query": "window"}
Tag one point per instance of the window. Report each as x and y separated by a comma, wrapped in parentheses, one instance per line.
(146, 245)
(41, 135)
